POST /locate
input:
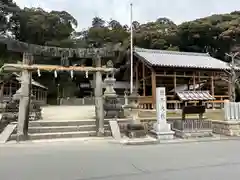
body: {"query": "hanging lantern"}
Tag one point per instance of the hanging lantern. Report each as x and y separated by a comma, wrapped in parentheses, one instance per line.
(71, 73)
(55, 74)
(39, 73)
(86, 74)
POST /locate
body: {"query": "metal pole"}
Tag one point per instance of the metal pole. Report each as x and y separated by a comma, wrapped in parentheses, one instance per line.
(131, 49)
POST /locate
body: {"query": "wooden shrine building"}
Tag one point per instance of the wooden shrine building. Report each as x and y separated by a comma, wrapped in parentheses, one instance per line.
(179, 71)
(10, 84)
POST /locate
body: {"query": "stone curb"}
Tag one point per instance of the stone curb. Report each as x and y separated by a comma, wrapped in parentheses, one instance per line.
(112, 141)
(176, 141)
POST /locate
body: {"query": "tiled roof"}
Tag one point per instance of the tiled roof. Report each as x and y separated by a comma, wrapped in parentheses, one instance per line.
(179, 59)
(195, 95)
(35, 83)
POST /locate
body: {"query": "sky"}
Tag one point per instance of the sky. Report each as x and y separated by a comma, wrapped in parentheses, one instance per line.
(143, 10)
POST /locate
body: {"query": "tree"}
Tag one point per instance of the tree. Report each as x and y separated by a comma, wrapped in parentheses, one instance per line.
(36, 26)
(216, 34)
(104, 35)
(7, 7)
(113, 24)
(97, 22)
(136, 25)
(160, 34)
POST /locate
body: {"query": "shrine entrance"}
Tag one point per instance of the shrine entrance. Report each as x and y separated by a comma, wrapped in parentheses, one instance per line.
(29, 66)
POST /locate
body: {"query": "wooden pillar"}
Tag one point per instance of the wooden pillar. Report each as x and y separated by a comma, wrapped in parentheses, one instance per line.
(2, 90)
(212, 88)
(10, 88)
(229, 87)
(24, 104)
(39, 94)
(154, 86)
(45, 97)
(136, 74)
(144, 80)
(199, 80)
(194, 82)
(98, 98)
(175, 87)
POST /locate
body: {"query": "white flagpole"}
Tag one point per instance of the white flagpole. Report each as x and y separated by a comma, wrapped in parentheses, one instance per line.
(131, 49)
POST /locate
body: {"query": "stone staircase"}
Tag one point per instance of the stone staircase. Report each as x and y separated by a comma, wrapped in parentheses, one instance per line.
(39, 130)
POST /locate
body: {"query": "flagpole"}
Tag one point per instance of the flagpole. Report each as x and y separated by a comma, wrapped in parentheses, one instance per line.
(131, 48)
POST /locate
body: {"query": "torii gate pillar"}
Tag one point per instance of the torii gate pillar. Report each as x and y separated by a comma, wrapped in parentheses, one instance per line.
(23, 94)
(99, 111)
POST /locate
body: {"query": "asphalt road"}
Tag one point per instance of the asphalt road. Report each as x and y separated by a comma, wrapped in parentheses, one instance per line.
(97, 161)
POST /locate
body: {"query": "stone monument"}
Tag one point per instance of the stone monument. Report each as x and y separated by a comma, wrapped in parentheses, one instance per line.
(161, 129)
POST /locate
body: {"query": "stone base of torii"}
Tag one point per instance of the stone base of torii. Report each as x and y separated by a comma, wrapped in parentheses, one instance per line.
(26, 69)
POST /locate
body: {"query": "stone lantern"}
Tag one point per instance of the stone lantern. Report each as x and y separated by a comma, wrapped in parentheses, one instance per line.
(126, 97)
(112, 106)
(133, 105)
(34, 106)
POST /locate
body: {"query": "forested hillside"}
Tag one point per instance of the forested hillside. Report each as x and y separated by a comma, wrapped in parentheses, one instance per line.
(216, 34)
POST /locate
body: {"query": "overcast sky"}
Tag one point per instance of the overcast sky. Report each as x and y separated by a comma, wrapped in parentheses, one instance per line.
(143, 10)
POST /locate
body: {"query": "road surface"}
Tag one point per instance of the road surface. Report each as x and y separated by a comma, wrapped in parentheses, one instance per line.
(73, 160)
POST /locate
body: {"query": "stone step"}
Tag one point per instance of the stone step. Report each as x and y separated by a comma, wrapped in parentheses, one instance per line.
(53, 129)
(43, 123)
(58, 135)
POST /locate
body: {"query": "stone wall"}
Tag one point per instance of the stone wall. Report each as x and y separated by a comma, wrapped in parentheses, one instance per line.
(228, 128)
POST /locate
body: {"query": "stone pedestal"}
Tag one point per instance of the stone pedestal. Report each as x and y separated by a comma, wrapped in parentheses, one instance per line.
(161, 129)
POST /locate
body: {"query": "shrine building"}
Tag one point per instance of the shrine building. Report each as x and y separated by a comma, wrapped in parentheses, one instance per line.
(179, 71)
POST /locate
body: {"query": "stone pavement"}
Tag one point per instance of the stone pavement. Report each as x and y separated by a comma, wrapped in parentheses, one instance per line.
(73, 160)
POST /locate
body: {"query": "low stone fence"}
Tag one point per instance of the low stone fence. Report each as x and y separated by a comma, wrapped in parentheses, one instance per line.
(192, 128)
(228, 128)
(87, 101)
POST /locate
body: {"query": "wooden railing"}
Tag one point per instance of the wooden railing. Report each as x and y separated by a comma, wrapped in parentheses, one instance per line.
(146, 102)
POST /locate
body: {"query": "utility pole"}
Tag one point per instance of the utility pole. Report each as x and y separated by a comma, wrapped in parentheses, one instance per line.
(131, 49)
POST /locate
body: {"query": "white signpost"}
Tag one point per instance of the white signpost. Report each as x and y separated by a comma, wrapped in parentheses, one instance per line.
(162, 129)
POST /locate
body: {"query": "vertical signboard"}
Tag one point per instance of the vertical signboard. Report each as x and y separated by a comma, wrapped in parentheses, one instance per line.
(161, 106)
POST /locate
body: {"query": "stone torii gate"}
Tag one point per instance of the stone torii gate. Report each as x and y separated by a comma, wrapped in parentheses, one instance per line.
(24, 93)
